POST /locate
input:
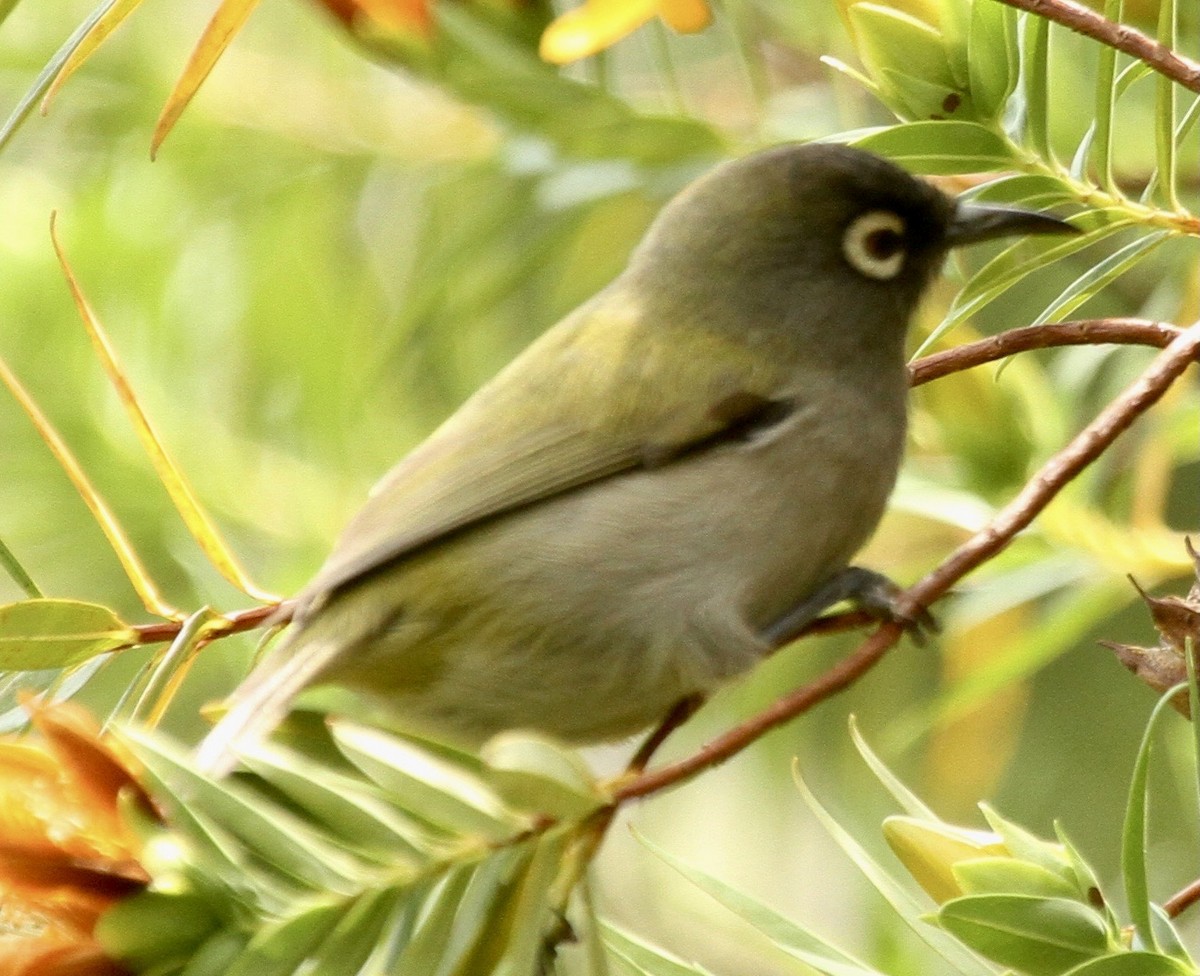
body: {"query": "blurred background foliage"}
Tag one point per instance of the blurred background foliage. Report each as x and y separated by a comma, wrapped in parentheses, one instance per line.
(329, 254)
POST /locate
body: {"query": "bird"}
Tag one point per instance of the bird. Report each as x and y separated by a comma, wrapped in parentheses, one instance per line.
(667, 483)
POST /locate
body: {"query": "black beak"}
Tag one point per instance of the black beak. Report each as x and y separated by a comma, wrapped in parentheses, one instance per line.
(973, 222)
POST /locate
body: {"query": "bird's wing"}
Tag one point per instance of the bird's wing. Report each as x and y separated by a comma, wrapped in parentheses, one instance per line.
(597, 395)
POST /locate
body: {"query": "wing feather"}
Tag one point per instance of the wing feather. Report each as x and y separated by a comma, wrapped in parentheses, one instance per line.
(535, 431)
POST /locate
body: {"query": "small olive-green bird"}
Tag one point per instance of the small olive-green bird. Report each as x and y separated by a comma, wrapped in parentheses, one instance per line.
(663, 486)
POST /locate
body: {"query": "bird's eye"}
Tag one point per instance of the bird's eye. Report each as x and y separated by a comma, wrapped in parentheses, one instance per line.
(874, 244)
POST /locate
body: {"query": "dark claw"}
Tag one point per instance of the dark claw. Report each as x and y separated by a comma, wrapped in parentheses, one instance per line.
(881, 598)
(873, 592)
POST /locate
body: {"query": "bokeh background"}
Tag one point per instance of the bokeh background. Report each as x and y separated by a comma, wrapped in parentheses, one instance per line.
(330, 253)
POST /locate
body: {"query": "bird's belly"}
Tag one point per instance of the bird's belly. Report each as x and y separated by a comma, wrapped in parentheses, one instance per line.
(590, 615)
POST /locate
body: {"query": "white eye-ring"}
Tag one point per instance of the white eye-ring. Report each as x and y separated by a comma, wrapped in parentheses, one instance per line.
(874, 244)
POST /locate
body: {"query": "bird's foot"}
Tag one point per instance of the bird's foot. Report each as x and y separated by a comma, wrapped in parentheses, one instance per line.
(873, 592)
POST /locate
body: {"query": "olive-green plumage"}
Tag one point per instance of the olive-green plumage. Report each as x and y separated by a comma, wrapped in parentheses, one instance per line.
(623, 515)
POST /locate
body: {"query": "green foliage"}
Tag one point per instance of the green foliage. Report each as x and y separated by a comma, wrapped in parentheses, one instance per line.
(40, 634)
(302, 285)
(392, 855)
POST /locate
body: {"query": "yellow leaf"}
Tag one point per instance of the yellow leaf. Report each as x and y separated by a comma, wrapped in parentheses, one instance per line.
(194, 517)
(596, 25)
(225, 24)
(111, 528)
(101, 29)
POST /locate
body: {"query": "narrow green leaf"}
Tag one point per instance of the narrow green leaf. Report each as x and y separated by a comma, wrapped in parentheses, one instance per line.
(429, 944)
(1032, 190)
(439, 791)
(354, 811)
(1012, 264)
(1166, 109)
(216, 955)
(1035, 72)
(908, 800)
(1087, 884)
(47, 75)
(166, 668)
(842, 68)
(1027, 846)
(1131, 964)
(911, 911)
(1188, 122)
(1106, 103)
(459, 911)
(784, 933)
(280, 945)
(932, 100)
(46, 633)
(274, 835)
(1079, 162)
(150, 929)
(943, 148)
(896, 47)
(113, 16)
(1130, 75)
(1193, 679)
(1133, 833)
(992, 57)
(193, 852)
(1100, 275)
(641, 957)
(14, 569)
(1038, 936)
(538, 775)
(398, 932)
(1009, 876)
(1167, 937)
(344, 951)
(1182, 132)
(528, 913)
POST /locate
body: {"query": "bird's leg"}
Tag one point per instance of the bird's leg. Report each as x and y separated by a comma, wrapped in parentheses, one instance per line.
(873, 592)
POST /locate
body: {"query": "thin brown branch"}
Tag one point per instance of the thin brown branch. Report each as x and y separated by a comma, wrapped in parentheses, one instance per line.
(1182, 900)
(1063, 467)
(1140, 332)
(165, 631)
(1127, 39)
(1058, 472)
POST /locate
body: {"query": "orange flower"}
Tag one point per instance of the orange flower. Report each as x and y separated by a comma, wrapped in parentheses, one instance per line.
(600, 23)
(66, 855)
(385, 16)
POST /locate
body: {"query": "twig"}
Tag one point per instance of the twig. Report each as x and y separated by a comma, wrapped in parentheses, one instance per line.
(1182, 900)
(1124, 38)
(233, 623)
(1140, 332)
(1059, 471)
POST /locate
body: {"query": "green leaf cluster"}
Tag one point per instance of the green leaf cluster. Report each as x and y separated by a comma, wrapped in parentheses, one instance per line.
(391, 855)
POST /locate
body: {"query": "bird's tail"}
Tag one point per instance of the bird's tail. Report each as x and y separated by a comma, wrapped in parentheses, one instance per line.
(262, 701)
